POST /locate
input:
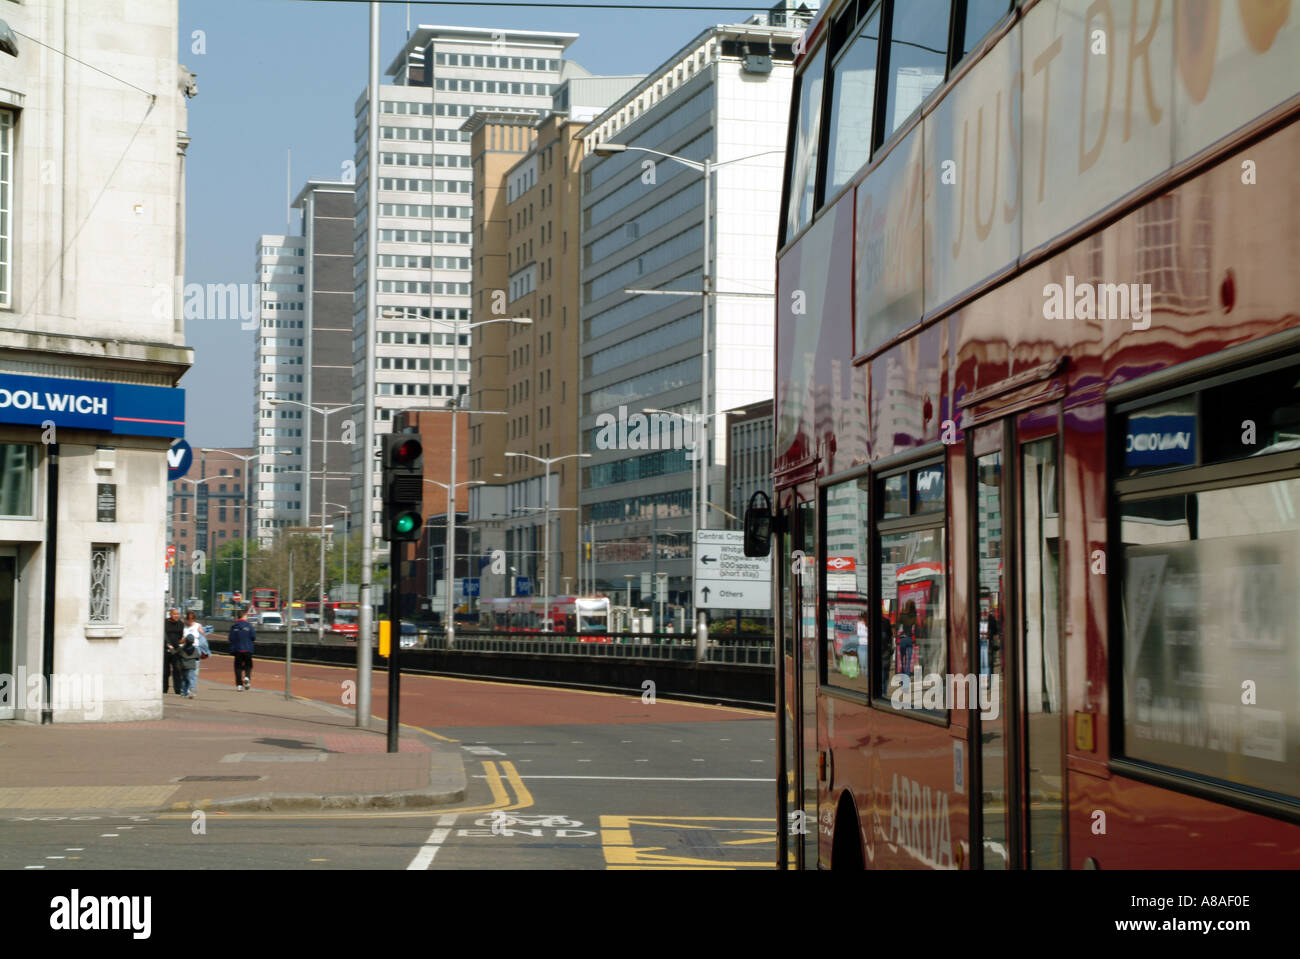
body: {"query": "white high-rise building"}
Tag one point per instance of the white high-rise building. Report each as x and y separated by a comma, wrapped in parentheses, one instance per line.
(280, 356)
(441, 76)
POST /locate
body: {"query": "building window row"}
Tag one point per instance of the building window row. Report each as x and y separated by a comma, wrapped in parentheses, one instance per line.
(420, 286)
(425, 313)
(425, 212)
(492, 62)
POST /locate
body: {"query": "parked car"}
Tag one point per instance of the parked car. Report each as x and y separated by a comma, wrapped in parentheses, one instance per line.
(270, 620)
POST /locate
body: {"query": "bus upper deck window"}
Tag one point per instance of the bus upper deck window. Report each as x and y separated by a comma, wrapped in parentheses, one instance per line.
(918, 57)
(807, 135)
(853, 94)
(981, 17)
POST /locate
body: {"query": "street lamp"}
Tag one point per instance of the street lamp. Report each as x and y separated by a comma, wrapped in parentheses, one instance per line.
(347, 528)
(450, 528)
(243, 580)
(325, 414)
(451, 488)
(546, 529)
(629, 577)
(453, 408)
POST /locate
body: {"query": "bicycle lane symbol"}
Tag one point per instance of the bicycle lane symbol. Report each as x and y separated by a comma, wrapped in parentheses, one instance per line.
(535, 825)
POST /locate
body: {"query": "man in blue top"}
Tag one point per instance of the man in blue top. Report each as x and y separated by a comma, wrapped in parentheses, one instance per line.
(242, 637)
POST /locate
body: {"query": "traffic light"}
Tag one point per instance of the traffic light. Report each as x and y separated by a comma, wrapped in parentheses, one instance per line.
(403, 461)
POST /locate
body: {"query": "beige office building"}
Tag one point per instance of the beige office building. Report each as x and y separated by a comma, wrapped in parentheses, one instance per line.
(526, 225)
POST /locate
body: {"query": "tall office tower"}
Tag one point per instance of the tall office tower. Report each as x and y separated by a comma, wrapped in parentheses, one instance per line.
(424, 181)
(280, 355)
(723, 96)
(526, 224)
(327, 226)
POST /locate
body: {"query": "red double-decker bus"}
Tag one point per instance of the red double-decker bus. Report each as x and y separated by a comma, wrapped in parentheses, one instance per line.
(1038, 383)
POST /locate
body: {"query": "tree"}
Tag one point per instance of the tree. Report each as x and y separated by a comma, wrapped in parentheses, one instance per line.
(225, 565)
(271, 567)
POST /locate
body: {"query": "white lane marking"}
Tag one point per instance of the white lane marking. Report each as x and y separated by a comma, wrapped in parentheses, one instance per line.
(108, 835)
(758, 760)
(584, 760)
(575, 742)
(697, 760)
(656, 779)
(33, 867)
(482, 750)
(627, 741)
(75, 849)
(56, 857)
(676, 740)
(724, 740)
(641, 760)
(424, 858)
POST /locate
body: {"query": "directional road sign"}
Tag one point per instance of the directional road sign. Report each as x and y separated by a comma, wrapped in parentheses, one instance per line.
(725, 578)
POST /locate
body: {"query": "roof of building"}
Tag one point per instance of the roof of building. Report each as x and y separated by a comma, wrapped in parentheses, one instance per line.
(420, 38)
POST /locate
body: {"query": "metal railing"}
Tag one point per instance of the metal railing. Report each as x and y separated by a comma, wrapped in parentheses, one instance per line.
(676, 647)
(741, 651)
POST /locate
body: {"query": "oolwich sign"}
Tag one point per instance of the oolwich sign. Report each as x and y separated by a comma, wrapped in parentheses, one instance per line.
(91, 405)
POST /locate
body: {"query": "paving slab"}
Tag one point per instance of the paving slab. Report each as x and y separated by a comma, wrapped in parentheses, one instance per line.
(226, 749)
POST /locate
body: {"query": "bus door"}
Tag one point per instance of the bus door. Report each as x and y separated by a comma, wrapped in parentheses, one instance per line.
(797, 679)
(1018, 752)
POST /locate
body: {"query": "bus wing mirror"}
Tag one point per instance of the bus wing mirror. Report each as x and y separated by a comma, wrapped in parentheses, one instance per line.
(758, 526)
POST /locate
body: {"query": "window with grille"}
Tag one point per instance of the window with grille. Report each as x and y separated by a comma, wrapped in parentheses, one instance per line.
(103, 583)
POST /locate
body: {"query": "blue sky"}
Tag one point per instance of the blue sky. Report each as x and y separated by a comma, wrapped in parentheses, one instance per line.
(281, 75)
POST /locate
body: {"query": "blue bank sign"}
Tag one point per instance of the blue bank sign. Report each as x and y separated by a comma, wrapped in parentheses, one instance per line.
(90, 405)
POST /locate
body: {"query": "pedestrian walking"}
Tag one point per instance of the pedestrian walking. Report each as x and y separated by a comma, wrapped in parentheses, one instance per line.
(198, 633)
(188, 655)
(173, 636)
(242, 637)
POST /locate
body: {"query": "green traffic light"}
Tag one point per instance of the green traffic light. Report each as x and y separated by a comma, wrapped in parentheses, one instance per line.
(405, 523)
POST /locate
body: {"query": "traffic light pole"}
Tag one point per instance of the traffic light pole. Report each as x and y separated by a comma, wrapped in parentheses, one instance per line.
(403, 488)
(394, 641)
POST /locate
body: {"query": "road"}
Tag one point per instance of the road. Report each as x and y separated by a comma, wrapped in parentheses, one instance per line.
(559, 779)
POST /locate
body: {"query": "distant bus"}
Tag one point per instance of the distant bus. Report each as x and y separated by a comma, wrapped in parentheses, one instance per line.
(266, 597)
(588, 616)
(343, 618)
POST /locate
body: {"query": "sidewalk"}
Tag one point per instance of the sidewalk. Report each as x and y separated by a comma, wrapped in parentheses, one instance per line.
(225, 750)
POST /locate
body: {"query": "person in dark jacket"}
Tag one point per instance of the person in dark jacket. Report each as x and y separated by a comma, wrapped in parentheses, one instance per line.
(173, 636)
(242, 637)
(188, 654)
